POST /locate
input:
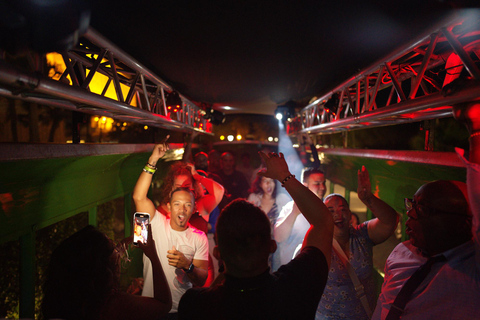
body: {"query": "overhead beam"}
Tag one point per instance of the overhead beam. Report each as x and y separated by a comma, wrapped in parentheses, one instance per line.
(408, 82)
(94, 55)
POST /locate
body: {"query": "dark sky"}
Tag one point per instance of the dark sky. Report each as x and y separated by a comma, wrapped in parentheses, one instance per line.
(253, 55)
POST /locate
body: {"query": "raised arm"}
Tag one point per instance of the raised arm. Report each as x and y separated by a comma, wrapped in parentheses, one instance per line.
(138, 307)
(320, 233)
(212, 199)
(142, 202)
(161, 289)
(383, 226)
(187, 155)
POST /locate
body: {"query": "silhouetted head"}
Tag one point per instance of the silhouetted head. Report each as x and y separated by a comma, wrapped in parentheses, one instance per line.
(83, 272)
(201, 161)
(244, 239)
(227, 162)
(439, 216)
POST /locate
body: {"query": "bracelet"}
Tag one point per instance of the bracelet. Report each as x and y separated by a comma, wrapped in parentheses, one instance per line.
(476, 134)
(147, 169)
(287, 178)
(151, 166)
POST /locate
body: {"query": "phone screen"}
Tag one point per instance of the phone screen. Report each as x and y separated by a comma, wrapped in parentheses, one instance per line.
(140, 229)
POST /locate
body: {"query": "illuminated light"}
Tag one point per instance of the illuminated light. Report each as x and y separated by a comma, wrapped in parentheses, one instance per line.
(118, 124)
(110, 120)
(295, 145)
(70, 141)
(178, 152)
(96, 119)
(275, 139)
(173, 101)
(227, 108)
(279, 116)
(146, 127)
(97, 84)
(222, 137)
(123, 128)
(124, 124)
(104, 119)
(214, 116)
(285, 146)
(270, 139)
(239, 137)
(230, 137)
(391, 163)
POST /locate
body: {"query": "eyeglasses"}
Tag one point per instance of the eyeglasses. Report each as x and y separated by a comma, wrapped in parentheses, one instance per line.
(409, 205)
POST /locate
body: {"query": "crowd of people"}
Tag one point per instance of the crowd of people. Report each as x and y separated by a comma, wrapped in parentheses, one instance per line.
(222, 246)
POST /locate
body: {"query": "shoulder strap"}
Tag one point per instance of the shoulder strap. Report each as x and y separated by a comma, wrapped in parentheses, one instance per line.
(359, 288)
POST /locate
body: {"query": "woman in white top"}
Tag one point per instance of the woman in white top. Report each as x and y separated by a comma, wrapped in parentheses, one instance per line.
(264, 195)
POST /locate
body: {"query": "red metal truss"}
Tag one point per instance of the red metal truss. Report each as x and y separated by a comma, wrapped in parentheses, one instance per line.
(411, 84)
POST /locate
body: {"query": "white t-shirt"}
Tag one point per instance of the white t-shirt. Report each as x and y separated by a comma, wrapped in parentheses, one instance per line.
(192, 242)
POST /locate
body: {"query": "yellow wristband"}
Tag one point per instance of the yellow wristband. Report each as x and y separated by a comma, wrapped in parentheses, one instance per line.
(147, 169)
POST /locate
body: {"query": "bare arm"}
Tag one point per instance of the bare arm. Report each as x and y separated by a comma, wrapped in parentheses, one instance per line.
(383, 226)
(161, 289)
(138, 307)
(199, 274)
(283, 227)
(214, 196)
(187, 155)
(320, 234)
(142, 202)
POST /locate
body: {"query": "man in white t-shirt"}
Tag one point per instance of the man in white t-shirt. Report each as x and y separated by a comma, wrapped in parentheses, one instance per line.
(182, 249)
(291, 225)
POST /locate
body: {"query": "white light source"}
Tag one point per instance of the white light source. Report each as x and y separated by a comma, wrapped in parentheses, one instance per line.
(279, 116)
(270, 139)
(230, 138)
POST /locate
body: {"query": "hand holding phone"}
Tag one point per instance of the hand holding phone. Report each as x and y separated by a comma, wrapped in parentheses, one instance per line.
(149, 248)
(140, 227)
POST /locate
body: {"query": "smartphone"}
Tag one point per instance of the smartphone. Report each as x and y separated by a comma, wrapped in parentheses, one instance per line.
(140, 229)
